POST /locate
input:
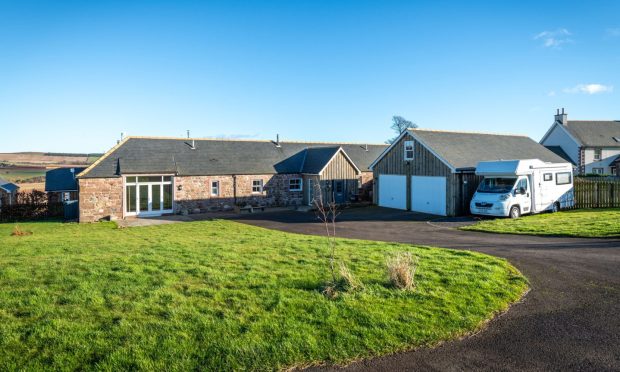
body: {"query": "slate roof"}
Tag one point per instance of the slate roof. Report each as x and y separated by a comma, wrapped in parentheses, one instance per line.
(464, 150)
(61, 179)
(595, 133)
(143, 155)
(561, 153)
(8, 186)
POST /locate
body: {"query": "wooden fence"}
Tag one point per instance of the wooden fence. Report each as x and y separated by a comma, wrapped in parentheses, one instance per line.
(597, 192)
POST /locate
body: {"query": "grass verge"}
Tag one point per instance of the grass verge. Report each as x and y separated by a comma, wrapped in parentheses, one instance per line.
(225, 296)
(588, 223)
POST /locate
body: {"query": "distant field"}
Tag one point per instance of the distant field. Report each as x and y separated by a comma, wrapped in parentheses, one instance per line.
(47, 159)
(17, 174)
(30, 167)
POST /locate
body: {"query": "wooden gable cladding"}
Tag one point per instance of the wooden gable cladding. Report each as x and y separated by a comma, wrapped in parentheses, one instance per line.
(459, 186)
(339, 168)
(424, 163)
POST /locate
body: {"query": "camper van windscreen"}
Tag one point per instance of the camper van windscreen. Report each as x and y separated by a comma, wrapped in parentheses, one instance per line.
(497, 185)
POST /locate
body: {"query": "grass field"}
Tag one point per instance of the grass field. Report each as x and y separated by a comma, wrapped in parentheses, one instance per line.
(219, 295)
(593, 223)
(15, 174)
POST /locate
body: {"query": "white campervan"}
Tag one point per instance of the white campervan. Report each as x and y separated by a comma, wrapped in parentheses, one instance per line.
(515, 187)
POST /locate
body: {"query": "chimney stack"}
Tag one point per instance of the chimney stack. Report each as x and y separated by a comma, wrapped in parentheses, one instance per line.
(188, 134)
(277, 140)
(561, 118)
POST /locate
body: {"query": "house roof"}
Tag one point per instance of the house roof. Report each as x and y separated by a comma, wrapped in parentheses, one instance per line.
(143, 155)
(561, 153)
(464, 150)
(595, 133)
(61, 179)
(8, 186)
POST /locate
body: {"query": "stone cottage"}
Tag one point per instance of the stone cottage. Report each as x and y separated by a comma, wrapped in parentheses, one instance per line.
(148, 176)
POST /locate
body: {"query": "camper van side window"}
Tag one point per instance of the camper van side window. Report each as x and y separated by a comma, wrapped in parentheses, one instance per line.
(548, 177)
(562, 178)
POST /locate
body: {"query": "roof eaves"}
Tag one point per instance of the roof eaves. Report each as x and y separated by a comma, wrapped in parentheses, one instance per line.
(387, 149)
(102, 158)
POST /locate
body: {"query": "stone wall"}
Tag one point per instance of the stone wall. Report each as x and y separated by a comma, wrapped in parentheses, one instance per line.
(195, 193)
(100, 198)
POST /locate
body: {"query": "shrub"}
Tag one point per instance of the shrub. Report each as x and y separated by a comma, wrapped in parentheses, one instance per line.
(401, 270)
(17, 231)
(348, 281)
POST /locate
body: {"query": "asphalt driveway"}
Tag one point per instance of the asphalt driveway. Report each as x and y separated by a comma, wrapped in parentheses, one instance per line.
(569, 321)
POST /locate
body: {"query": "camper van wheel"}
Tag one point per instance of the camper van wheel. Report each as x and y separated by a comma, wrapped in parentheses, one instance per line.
(555, 207)
(515, 212)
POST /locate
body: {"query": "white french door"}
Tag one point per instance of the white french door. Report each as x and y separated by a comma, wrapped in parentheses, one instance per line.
(148, 195)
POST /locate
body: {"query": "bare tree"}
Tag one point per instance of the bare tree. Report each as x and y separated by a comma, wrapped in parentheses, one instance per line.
(327, 213)
(399, 124)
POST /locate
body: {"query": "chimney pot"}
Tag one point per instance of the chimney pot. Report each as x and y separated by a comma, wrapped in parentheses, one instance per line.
(561, 118)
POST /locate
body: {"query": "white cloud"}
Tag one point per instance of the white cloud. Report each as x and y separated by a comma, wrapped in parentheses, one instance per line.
(554, 39)
(590, 89)
(613, 32)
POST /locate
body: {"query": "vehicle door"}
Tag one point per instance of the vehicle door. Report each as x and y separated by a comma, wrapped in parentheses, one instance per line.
(523, 195)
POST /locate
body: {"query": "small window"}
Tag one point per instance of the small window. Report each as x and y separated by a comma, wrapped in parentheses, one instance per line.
(215, 188)
(294, 184)
(614, 171)
(598, 153)
(257, 186)
(66, 196)
(548, 177)
(563, 178)
(598, 170)
(408, 150)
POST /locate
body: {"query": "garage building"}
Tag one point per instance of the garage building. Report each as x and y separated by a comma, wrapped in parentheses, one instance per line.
(432, 171)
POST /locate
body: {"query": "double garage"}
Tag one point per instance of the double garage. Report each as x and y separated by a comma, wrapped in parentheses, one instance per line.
(428, 193)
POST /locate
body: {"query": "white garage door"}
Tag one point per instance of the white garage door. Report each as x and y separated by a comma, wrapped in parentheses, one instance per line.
(428, 194)
(393, 191)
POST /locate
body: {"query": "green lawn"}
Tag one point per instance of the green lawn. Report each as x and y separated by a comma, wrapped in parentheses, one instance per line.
(595, 223)
(224, 296)
(20, 174)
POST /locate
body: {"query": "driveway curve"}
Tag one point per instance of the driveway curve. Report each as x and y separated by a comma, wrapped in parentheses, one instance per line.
(569, 321)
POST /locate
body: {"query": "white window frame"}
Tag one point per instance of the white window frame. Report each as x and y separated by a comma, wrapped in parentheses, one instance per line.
(261, 186)
(216, 188)
(614, 170)
(137, 184)
(299, 187)
(598, 170)
(409, 147)
(598, 154)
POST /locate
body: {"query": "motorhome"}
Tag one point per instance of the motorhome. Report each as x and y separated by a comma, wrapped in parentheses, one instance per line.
(515, 187)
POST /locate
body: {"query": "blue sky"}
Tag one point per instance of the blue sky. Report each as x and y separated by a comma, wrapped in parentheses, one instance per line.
(73, 75)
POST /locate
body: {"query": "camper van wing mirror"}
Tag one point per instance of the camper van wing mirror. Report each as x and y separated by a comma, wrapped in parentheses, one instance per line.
(522, 190)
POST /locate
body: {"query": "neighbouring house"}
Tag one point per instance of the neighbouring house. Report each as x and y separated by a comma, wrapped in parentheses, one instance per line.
(61, 184)
(145, 176)
(433, 171)
(592, 146)
(8, 192)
